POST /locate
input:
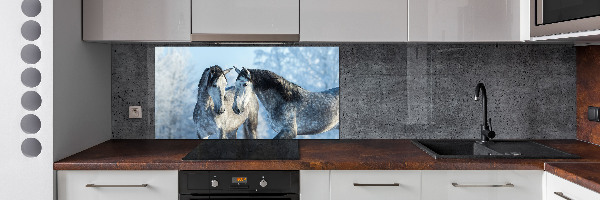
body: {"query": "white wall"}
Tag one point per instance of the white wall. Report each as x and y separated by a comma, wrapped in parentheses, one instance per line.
(82, 84)
(24, 177)
(75, 93)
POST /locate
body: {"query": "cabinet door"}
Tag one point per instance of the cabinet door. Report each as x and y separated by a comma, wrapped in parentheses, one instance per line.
(225, 17)
(136, 20)
(482, 184)
(354, 20)
(314, 185)
(117, 185)
(561, 189)
(379, 185)
(468, 20)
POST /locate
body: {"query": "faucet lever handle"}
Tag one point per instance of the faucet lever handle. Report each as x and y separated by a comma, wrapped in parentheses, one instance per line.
(491, 125)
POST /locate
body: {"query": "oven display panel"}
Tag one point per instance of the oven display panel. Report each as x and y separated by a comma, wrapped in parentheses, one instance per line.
(239, 180)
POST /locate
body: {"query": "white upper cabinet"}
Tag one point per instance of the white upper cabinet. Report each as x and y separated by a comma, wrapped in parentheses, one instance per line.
(354, 20)
(468, 20)
(136, 20)
(243, 20)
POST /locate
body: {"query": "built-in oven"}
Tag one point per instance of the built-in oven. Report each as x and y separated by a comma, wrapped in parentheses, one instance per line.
(234, 185)
(554, 17)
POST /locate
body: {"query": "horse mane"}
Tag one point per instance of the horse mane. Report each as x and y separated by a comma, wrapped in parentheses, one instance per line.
(265, 79)
(203, 81)
(210, 75)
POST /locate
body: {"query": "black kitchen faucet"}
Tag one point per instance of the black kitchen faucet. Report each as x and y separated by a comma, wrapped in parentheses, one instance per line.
(486, 130)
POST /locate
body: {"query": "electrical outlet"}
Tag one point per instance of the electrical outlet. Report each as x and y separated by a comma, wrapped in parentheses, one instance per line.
(135, 112)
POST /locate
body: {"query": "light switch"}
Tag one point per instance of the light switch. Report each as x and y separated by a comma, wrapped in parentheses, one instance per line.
(135, 112)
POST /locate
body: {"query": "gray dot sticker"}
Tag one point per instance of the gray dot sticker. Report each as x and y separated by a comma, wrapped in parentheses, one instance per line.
(31, 54)
(31, 8)
(31, 77)
(31, 100)
(31, 147)
(30, 124)
(31, 30)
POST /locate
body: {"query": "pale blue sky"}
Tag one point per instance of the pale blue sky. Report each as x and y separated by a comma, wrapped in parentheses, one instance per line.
(226, 57)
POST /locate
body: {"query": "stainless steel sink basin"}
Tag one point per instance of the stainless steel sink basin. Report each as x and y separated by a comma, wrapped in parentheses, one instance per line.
(493, 149)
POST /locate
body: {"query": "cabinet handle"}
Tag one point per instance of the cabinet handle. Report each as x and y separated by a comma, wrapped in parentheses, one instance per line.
(560, 194)
(362, 184)
(505, 185)
(94, 185)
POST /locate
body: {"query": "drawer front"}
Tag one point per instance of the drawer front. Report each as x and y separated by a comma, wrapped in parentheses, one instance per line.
(314, 185)
(566, 189)
(161, 185)
(408, 184)
(482, 184)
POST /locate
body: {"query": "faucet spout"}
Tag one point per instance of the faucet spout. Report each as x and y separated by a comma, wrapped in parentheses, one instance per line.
(486, 132)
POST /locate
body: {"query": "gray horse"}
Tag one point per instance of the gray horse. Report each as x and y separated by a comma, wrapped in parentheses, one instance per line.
(212, 114)
(292, 109)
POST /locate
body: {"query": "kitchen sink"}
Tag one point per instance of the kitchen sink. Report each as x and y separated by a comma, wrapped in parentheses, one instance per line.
(491, 149)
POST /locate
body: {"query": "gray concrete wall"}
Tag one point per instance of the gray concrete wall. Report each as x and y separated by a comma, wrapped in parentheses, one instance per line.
(409, 90)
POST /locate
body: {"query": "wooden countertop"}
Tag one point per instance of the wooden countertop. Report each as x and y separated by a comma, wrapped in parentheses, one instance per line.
(314, 155)
(581, 173)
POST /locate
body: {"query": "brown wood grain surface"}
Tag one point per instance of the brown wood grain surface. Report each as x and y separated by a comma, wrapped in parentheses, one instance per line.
(314, 155)
(584, 174)
(588, 92)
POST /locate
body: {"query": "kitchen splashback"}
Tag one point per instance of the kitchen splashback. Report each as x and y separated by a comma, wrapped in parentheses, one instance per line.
(407, 90)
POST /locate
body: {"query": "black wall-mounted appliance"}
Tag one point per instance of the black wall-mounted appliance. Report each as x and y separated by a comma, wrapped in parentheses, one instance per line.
(555, 17)
(554, 11)
(235, 185)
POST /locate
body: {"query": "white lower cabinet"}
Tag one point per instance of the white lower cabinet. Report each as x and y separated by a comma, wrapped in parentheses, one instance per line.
(482, 184)
(375, 185)
(314, 184)
(561, 189)
(117, 185)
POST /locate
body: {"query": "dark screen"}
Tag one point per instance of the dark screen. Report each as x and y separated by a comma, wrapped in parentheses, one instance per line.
(564, 10)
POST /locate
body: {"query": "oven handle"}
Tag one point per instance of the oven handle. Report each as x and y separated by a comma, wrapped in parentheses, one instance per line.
(191, 197)
(250, 197)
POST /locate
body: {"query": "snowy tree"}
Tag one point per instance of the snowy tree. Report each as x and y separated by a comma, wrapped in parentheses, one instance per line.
(313, 68)
(174, 100)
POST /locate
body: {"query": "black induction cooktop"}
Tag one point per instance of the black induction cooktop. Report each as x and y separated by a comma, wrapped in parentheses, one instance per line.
(245, 150)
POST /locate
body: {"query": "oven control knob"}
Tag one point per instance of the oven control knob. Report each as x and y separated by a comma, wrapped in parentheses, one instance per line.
(263, 183)
(214, 183)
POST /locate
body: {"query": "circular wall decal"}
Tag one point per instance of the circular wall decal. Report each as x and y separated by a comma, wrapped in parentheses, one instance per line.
(31, 77)
(31, 147)
(31, 30)
(31, 100)
(31, 54)
(31, 8)
(31, 124)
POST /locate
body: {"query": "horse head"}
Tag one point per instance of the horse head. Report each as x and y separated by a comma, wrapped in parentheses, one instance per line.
(215, 86)
(243, 90)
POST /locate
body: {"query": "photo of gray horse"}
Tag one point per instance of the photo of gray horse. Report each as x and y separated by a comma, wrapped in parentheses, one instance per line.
(213, 114)
(292, 109)
(284, 92)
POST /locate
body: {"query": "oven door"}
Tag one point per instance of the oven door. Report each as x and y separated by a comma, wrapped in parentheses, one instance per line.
(236, 197)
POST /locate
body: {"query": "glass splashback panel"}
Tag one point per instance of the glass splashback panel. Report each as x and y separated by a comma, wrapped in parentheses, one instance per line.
(275, 93)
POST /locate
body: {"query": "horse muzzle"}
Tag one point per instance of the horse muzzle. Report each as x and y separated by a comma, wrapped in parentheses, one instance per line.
(220, 111)
(237, 111)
